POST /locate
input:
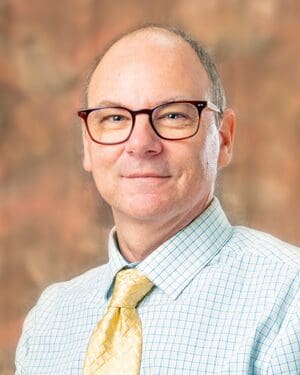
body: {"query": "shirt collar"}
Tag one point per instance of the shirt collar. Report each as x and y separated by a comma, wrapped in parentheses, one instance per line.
(115, 264)
(173, 265)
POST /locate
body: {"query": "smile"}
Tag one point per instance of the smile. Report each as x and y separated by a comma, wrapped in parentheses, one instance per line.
(145, 176)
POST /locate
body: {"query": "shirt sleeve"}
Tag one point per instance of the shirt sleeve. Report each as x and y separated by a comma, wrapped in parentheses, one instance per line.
(285, 359)
(24, 343)
(285, 354)
(37, 315)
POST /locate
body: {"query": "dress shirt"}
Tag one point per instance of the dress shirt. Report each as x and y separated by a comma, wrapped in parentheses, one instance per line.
(226, 301)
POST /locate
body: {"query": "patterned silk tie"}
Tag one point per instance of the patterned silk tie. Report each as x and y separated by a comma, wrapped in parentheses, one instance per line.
(115, 347)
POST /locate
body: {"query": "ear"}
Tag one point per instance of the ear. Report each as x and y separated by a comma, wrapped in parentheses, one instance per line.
(87, 165)
(226, 137)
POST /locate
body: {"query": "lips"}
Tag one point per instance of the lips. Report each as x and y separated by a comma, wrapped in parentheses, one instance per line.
(145, 175)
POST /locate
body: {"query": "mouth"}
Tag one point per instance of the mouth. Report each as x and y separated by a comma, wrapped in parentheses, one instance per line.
(146, 183)
(145, 176)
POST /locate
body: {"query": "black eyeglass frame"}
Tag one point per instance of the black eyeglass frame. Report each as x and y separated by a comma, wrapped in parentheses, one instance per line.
(199, 104)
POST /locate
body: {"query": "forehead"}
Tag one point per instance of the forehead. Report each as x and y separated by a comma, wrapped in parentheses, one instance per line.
(146, 68)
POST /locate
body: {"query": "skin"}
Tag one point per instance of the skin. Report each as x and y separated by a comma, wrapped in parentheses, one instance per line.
(154, 186)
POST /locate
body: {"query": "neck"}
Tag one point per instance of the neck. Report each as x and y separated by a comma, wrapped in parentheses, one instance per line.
(137, 239)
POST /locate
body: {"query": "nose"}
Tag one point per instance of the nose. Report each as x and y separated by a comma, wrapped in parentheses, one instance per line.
(143, 141)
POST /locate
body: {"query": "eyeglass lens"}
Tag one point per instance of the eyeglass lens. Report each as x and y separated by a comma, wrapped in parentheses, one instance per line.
(171, 121)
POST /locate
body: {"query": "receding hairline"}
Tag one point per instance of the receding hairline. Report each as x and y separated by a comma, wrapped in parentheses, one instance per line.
(145, 32)
(205, 59)
(129, 34)
(159, 30)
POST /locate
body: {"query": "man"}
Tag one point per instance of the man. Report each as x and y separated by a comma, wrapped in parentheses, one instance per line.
(202, 297)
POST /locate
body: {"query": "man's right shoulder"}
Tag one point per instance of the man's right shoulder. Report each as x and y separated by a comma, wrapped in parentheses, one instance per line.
(56, 315)
(77, 287)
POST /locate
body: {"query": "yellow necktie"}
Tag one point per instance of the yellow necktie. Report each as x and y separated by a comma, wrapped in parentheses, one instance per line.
(115, 347)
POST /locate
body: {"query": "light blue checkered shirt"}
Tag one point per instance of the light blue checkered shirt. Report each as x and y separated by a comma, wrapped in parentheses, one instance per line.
(225, 301)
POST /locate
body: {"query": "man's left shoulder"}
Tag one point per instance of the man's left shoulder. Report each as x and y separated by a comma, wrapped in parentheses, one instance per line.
(266, 247)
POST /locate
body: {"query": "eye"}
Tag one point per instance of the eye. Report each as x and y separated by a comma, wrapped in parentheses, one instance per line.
(174, 115)
(114, 118)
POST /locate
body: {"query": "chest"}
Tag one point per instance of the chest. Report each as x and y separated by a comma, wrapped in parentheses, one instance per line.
(209, 330)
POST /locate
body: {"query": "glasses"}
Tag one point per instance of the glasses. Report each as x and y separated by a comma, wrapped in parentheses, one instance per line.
(171, 121)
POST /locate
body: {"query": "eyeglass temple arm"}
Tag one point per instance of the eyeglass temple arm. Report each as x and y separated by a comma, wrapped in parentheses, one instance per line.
(214, 108)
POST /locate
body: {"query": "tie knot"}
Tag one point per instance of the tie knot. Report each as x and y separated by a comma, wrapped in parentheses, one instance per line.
(130, 287)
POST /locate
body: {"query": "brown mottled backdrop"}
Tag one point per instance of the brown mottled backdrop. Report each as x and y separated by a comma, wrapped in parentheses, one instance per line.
(52, 224)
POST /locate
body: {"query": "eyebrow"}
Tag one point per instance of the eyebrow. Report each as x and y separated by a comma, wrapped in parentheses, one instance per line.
(105, 103)
(109, 103)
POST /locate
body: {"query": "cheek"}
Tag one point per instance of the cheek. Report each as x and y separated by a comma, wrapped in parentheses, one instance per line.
(103, 160)
(203, 161)
(103, 157)
(210, 152)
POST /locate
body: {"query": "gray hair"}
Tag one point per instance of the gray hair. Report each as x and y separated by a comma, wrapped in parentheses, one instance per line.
(217, 90)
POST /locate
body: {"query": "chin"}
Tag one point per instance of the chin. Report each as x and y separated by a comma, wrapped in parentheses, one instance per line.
(145, 209)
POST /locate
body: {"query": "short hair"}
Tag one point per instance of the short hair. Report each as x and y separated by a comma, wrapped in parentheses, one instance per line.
(216, 87)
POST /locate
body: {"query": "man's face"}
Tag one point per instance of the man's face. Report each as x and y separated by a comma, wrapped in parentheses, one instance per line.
(148, 178)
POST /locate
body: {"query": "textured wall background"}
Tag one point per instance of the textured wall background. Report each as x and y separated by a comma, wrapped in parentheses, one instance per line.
(53, 225)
